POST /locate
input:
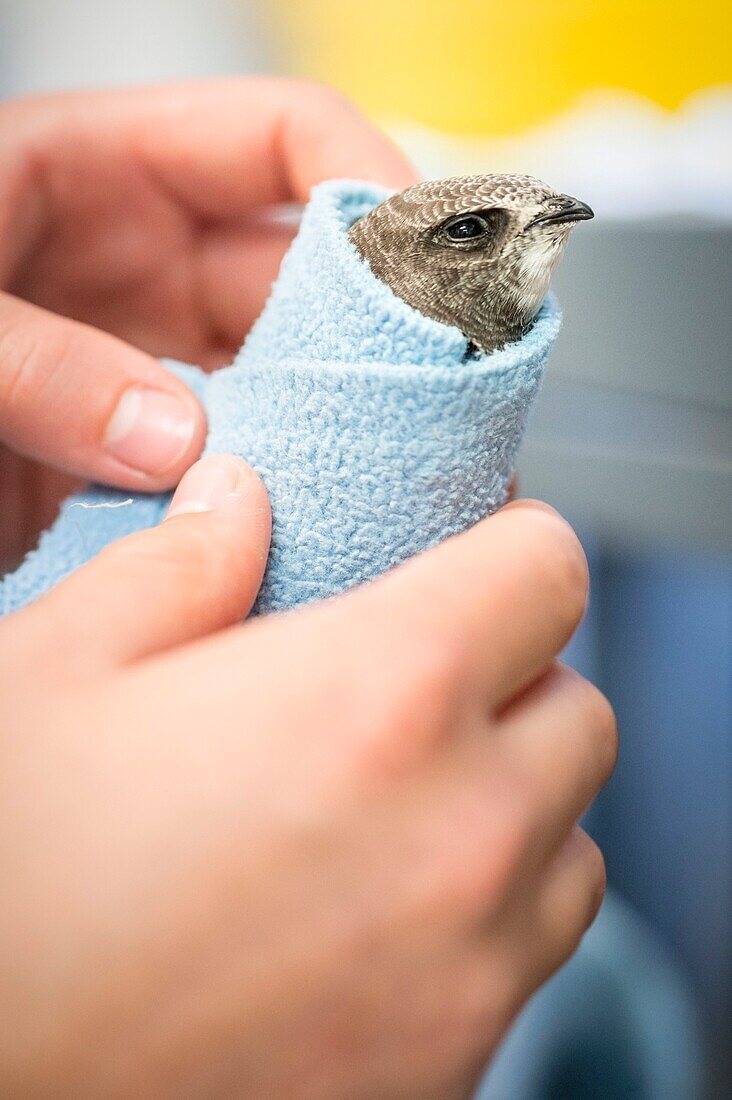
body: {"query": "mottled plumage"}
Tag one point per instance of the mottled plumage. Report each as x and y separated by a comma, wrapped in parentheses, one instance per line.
(476, 252)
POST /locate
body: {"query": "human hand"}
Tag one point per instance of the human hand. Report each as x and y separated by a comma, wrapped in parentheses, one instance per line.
(132, 226)
(325, 854)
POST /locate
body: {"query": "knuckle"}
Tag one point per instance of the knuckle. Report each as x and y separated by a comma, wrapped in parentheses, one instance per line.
(595, 876)
(482, 858)
(572, 911)
(479, 996)
(415, 707)
(555, 558)
(30, 127)
(512, 835)
(425, 678)
(566, 573)
(600, 721)
(417, 693)
(36, 364)
(323, 95)
(463, 882)
(434, 664)
(431, 683)
(13, 115)
(24, 106)
(17, 355)
(21, 356)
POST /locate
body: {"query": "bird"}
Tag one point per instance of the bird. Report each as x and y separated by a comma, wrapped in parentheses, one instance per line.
(475, 252)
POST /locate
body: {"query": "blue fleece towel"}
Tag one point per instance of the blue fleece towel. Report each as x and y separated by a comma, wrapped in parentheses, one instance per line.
(374, 438)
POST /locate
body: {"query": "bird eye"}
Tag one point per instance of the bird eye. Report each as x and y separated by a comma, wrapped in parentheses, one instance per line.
(467, 228)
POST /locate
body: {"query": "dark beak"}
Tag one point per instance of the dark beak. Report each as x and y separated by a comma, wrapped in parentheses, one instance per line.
(571, 210)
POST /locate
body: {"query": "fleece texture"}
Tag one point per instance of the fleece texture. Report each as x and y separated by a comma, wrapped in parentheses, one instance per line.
(375, 438)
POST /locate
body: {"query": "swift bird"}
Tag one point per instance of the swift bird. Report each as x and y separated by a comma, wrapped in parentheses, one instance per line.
(476, 252)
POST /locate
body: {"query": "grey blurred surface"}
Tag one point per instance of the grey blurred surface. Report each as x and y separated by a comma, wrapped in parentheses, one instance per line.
(47, 45)
(633, 429)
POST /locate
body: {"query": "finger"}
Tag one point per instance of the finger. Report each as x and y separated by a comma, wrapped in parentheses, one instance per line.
(489, 609)
(238, 264)
(496, 603)
(568, 900)
(91, 405)
(560, 739)
(297, 133)
(197, 572)
(222, 146)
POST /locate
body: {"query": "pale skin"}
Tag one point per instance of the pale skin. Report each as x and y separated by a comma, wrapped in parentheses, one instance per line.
(325, 855)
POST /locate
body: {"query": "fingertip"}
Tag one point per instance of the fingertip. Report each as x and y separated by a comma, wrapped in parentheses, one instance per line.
(396, 169)
(528, 504)
(117, 415)
(596, 871)
(253, 502)
(196, 573)
(565, 543)
(343, 141)
(222, 481)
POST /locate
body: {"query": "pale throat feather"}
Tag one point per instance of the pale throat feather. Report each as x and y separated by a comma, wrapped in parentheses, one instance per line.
(537, 265)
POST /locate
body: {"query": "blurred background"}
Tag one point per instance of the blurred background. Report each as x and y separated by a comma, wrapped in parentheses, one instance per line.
(627, 105)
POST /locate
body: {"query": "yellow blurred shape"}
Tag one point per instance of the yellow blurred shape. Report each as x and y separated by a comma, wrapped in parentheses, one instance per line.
(477, 67)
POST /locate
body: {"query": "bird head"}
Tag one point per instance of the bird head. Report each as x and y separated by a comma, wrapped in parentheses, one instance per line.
(476, 252)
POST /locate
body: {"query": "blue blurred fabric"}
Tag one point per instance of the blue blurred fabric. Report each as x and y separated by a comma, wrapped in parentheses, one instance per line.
(660, 638)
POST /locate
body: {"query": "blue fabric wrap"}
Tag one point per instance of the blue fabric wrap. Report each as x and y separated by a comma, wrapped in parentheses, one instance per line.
(373, 436)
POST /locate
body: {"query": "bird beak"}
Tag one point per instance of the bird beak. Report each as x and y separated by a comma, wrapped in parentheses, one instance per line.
(572, 210)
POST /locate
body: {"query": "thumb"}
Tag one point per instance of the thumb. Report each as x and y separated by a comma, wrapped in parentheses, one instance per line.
(87, 403)
(197, 572)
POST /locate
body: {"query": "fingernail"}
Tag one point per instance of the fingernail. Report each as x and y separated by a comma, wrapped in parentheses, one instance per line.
(149, 430)
(207, 485)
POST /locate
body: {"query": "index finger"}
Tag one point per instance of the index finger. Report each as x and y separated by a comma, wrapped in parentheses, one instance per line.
(223, 146)
(496, 603)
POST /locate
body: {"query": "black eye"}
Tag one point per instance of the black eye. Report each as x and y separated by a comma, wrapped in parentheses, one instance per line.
(467, 228)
